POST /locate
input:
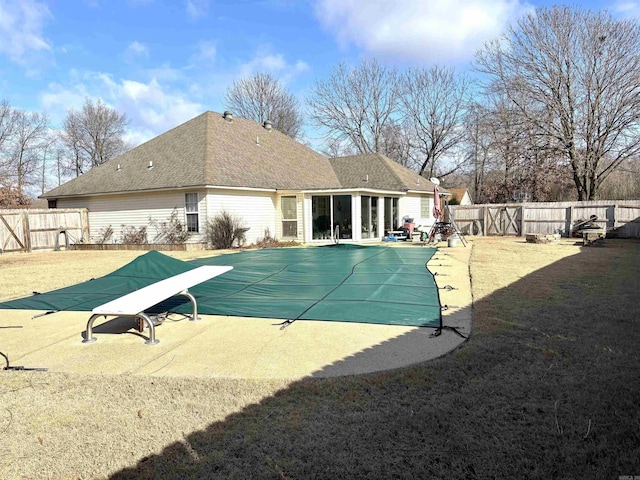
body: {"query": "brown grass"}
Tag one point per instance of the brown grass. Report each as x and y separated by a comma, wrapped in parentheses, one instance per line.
(23, 273)
(547, 387)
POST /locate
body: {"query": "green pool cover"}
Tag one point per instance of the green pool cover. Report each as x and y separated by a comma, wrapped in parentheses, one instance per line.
(345, 283)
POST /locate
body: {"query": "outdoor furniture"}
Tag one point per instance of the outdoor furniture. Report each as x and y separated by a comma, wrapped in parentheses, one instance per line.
(399, 234)
(440, 229)
(135, 303)
(410, 226)
(592, 236)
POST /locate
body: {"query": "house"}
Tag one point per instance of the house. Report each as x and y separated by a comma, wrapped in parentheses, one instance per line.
(460, 196)
(215, 162)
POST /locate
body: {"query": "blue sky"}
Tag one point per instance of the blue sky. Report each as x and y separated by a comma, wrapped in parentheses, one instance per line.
(163, 62)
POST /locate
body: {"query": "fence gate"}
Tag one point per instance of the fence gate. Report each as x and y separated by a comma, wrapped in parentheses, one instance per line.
(13, 233)
(23, 230)
(504, 220)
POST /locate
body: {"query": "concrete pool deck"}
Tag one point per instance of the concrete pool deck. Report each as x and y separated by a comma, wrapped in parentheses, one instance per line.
(234, 347)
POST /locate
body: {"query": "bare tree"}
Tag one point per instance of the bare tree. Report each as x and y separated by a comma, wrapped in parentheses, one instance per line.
(624, 183)
(262, 97)
(7, 129)
(30, 130)
(93, 135)
(396, 143)
(435, 101)
(7, 122)
(10, 197)
(478, 146)
(581, 68)
(61, 169)
(355, 104)
(508, 159)
(334, 147)
(50, 143)
(72, 139)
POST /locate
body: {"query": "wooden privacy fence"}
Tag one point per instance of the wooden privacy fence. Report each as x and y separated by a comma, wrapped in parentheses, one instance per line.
(26, 230)
(620, 218)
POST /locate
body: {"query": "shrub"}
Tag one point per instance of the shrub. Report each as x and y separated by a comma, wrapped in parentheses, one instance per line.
(11, 196)
(104, 235)
(173, 231)
(272, 242)
(133, 236)
(224, 229)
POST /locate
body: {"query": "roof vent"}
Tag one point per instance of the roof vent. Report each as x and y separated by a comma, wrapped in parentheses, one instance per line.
(150, 166)
(257, 140)
(118, 168)
(366, 180)
(228, 115)
(267, 125)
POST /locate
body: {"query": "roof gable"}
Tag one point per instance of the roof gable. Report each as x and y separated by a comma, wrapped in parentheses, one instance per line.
(375, 171)
(459, 194)
(175, 158)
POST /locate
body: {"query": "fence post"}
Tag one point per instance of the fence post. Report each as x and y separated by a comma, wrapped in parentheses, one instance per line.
(84, 226)
(570, 226)
(26, 230)
(484, 222)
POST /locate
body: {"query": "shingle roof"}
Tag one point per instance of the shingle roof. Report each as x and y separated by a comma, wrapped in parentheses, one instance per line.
(458, 193)
(381, 172)
(209, 150)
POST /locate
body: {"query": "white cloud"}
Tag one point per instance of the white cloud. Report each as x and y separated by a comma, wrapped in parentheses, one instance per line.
(136, 50)
(418, 30)
(206, 51)
(156, 107)
(197, 8)
(21, 29)
(152, 107)
(626, 9)
(274, 63)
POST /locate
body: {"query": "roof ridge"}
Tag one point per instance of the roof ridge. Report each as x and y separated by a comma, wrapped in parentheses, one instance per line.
(384, 159)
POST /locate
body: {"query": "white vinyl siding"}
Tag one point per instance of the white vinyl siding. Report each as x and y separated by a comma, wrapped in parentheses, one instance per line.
(256, 209)
(134, 209)
(419, 208)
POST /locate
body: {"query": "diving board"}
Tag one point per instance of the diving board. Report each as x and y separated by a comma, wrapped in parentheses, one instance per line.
(135, 303)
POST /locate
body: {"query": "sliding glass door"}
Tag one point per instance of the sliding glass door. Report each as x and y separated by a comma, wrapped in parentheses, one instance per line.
(369, 213)
(331, 215)
(391, 220)
(342, 216)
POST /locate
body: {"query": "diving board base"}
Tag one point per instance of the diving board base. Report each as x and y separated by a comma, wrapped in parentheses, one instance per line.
(135, 303)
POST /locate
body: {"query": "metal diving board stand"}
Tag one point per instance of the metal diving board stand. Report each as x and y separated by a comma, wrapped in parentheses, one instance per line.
(135, 303)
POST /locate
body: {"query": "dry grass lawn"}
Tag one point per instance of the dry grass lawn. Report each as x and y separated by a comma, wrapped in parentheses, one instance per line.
(24, 273)
(548, 386)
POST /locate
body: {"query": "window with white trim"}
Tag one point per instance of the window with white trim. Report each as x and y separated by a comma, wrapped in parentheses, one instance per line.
(289, 209)
(425, 207)
(192, 212)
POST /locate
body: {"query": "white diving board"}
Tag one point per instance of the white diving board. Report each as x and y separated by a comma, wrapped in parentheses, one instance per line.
(135, 303)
